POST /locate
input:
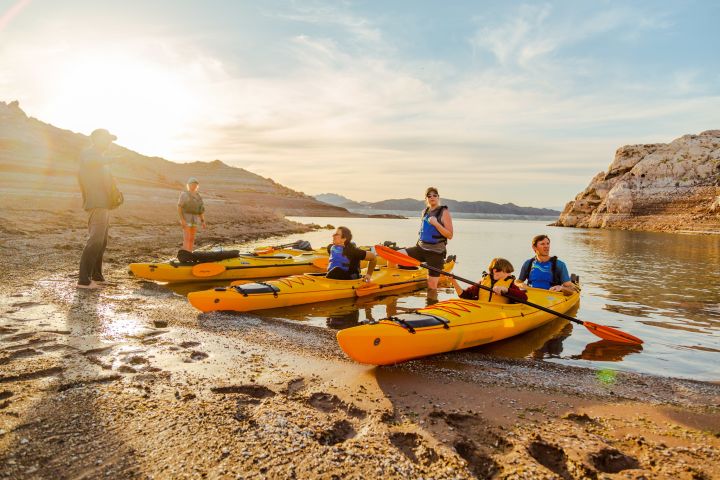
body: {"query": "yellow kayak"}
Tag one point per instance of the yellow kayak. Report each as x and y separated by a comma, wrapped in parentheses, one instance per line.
(281, 263)
(242, 267)
(307, 288)
(449, 325)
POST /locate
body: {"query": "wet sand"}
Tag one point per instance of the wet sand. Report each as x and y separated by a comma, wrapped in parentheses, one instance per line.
(132, 382)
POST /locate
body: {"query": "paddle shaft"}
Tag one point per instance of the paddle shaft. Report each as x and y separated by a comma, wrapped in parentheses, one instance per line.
(531, 304)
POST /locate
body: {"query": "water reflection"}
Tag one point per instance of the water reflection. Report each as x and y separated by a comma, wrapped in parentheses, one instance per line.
(644, 273)
(607, 351)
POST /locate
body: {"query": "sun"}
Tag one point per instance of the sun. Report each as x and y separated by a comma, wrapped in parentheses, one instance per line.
(150, 106)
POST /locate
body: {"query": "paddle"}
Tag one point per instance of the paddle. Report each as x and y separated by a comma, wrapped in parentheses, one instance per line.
(608, 333)
(264, 250)
(211, 269)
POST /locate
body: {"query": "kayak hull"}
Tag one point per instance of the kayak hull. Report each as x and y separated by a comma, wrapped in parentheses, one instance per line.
(302, 289)
(462, 324)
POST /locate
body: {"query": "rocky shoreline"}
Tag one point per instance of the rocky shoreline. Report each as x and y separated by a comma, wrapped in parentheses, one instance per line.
(131, 382)
(672, 187)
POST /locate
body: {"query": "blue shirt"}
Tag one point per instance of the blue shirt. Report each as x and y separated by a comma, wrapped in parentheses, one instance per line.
(541, 274)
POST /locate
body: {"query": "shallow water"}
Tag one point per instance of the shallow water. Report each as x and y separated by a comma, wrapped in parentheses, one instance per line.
(662, 288)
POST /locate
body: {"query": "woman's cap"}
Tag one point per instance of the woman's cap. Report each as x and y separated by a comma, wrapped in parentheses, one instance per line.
(431, 190)
(192, 180)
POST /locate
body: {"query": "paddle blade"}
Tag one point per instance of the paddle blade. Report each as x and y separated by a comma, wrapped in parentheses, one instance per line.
(367, 289)
(612, 334)
(207, 269)
(394, 256)
(264, 250)
(321, 263)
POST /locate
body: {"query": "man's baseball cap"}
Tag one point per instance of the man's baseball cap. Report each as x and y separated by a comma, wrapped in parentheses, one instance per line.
(192, 180)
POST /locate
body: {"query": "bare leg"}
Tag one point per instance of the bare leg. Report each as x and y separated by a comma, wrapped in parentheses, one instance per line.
(433, 283)
(189, 238)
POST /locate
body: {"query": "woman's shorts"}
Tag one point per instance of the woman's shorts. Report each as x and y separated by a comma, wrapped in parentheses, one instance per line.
(191, 219)
(433, 259)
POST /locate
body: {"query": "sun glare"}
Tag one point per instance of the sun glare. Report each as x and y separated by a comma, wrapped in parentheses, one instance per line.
(148, 106)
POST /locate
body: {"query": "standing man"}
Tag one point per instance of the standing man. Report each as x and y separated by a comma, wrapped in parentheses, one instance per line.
(100, 195)
(544, 271)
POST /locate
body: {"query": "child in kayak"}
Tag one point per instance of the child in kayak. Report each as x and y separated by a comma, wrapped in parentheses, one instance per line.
(345, 257)
(191, 211)
(503, 286)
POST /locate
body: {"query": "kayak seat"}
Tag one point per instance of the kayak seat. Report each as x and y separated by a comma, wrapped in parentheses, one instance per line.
(256, 288)
(411, 321)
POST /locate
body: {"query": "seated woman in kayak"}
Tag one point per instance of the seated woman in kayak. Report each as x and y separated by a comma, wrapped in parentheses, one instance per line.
(503, 286)
(345, 257)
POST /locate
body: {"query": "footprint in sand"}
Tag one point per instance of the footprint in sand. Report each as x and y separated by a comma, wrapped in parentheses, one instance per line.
(610, 460)
(474, 428)
(411, 445)
(294, 386)
(197, 355)
(481, 464)
(550, 456)
(327, 402)
(189, 344)
(4, 395)
(339, 432)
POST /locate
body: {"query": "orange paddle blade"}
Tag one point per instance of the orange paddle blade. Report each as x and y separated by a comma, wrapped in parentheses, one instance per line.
(367, 289)
(264, 250)
(207, 269)
(612, 334)
(321, 263)
(394, 256)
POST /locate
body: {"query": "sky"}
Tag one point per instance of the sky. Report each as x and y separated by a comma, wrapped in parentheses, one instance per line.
(519, 102)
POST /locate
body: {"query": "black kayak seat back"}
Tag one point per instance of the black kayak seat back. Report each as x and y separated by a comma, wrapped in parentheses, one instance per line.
(201, 257)
(418, 320)
(256, 288)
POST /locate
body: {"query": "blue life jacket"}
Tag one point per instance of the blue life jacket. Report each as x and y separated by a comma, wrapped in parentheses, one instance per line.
(428, 233)
(542, 280)
(338, 259)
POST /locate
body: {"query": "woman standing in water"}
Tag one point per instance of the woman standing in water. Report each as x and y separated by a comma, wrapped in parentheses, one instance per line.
(436, 229)
(191, 211)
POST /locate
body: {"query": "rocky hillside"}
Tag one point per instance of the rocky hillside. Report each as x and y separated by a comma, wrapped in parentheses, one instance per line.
(41, 159)
(661, 187)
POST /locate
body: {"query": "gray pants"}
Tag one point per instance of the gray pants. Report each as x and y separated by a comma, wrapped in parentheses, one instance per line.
(92, 255)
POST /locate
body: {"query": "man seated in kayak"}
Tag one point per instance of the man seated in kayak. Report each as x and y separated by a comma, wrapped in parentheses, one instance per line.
(544, 271)
(504, 289)
(345, 257)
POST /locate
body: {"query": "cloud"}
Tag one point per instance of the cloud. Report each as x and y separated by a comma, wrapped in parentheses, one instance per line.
(352, 113)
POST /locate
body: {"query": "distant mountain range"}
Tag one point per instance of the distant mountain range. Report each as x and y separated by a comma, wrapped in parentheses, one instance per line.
(413, 205)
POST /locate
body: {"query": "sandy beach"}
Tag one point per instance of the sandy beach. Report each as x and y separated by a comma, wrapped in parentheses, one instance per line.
(131, 382)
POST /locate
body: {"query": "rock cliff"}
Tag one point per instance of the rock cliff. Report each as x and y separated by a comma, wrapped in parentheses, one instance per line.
(662, 187)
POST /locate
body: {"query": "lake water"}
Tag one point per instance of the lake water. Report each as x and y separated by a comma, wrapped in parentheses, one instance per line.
(660, 287)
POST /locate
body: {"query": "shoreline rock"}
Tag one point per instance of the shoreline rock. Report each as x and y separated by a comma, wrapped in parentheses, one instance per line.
(672, 187)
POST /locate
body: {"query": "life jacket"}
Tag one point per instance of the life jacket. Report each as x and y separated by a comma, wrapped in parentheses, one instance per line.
(194, 204)
(428, 233)
(556, 280)
(487, 281)
(338, 259)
